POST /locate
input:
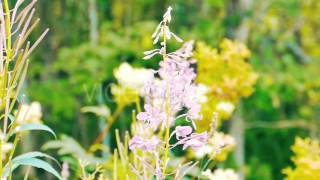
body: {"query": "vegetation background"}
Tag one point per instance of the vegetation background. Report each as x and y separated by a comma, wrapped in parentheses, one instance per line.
(89, 38)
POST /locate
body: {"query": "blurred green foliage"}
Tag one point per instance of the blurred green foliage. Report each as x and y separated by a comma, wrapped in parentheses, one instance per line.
(69, 72)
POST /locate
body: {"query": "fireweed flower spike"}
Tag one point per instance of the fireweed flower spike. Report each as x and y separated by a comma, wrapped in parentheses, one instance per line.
(169, 92)
(162, 31)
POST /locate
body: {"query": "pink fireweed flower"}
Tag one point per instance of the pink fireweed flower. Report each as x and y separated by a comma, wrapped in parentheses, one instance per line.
(183, 131)
(137, 142)
(184, 52)
(175, 87)
(169, 93)
(158, 170)
(152, 116)
(194, 110)
(196, 141)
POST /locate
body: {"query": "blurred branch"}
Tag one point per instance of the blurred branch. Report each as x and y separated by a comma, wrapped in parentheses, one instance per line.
(110, 121)
(93, 22)
(301, 56)
(238, 124)
(281, 124)
(237, 130)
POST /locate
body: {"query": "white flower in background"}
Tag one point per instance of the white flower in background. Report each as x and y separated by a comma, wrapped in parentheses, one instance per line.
(6, 147)
(221, 174)
(29, 113)
(201, 91)
(225, 107)
(204, 150)
(220, 140)
(216, 143)
(133, 78)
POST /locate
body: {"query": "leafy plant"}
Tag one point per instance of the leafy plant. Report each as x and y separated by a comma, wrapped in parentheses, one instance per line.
(16, 26)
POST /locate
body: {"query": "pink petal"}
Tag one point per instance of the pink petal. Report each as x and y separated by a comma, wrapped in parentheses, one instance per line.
(183, 131)
(142, 116)
(147, 107)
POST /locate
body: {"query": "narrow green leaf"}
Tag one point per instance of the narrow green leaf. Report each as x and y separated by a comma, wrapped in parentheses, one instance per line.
(11, 117)
(32, 126)
(38, 163)
(34, 154)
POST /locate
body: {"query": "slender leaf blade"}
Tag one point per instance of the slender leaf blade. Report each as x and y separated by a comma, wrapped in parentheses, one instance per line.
(34, 162)
(34, 154)
(31, 127)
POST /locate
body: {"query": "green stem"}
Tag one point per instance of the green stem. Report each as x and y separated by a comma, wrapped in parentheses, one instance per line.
(168, 111)
(1, 139)
(15, 143)
(8, 39)
(8, 27)
(27, 173)
(167, 134)
(138, 105)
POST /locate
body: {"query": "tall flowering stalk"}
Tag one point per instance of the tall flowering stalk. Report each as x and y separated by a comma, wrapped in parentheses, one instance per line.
(16, 25)
(169, 95)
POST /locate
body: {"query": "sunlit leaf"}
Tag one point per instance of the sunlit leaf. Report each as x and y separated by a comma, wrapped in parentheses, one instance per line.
(31, 127)
(34, 154)
(38, 163)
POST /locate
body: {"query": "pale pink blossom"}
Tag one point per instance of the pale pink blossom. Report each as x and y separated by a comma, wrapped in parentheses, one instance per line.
(65, 173)
(196, 141)
(152, 116)
(137, 142)
(183, 131)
